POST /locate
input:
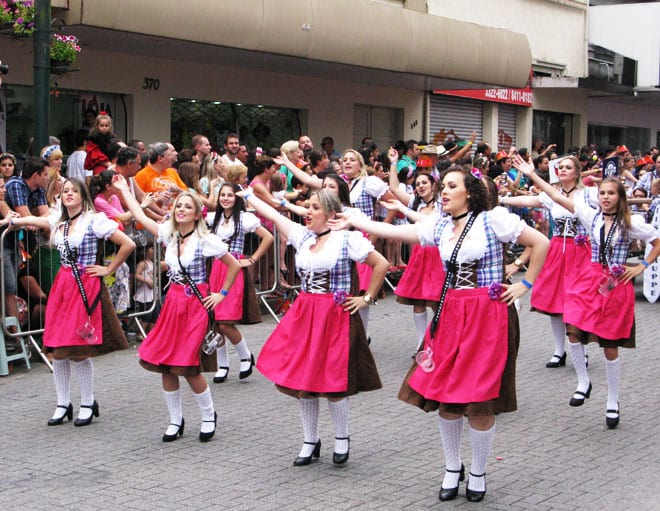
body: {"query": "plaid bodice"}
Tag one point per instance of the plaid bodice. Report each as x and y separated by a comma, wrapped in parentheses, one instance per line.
(84, 254)
(364, 201)
(337, 278)
(196, 269)
(617, 253)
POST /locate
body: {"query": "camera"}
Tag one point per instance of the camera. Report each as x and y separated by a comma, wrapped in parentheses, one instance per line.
(4, 69)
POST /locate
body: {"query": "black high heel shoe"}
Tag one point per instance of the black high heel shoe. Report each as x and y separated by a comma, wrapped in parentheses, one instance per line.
(451, 493)
(306, 460)
(95, 413)
(205, 437)
(68, 414)
(177, 434)
(219, 378)
(557, 361)
(612, 422)
(579, 401)
(340, 459)
(244, 374)
(475, 495)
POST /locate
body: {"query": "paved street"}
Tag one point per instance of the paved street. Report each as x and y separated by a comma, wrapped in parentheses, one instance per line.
(547, 456)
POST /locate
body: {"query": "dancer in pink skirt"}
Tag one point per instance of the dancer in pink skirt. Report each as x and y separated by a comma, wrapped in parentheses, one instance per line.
(600, 304)
(468, 363)
(231, 224)
(570, 250)
(74, 330)
(320, 348)
(172, 347)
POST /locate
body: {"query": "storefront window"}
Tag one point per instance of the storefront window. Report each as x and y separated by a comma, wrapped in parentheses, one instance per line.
(553, 128)
(636, 139)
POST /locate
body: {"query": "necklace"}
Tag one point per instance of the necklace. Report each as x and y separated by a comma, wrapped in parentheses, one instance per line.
(608, 214)
(75, 216)
(321, 234)
(184, 236)
(455, 218)
(227, 218)
(567, 193)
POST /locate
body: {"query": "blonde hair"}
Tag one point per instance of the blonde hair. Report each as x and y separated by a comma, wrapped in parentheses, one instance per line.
(200, 224)
(235, 171)
(51, 152)
(53, 177)
(289, 146)
(329, 202)
(358, 156)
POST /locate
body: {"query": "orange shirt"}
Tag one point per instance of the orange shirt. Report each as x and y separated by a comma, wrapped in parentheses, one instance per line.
(150, 180)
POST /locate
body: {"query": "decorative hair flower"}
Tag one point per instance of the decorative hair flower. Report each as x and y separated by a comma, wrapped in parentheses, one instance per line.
(340, 297)
(617, 270)
(495, 291)
(50, 150)
(476, 173)
(580, 240)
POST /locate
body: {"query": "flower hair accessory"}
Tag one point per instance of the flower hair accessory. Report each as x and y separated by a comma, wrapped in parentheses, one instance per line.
(258, 151)
(580, 240)
(48, 151)
(103, 112)
(476, 173)
(495, 291)
(340, 297)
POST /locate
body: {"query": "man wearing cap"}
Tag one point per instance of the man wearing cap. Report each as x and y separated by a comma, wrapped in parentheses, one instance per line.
(501, 165)
(408, 158)
(647, 179)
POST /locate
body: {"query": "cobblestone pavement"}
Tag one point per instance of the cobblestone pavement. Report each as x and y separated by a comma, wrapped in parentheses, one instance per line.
(546, 456)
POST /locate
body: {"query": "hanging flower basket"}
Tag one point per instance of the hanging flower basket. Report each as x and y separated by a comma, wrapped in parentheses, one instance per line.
(17, 16)
(59, 67)
(64, 48)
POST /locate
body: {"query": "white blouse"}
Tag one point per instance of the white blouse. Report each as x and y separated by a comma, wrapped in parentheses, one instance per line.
(211, 246)
(102, 227)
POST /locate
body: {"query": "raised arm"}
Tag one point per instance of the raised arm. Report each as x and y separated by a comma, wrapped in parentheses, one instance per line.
(357, 219)
(528, 170)
(282, 223)
(134, 206)
(538, 244)
(311, 181)
(394, 178)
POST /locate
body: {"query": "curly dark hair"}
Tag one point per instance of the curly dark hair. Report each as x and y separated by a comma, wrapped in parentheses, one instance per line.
(477, 194)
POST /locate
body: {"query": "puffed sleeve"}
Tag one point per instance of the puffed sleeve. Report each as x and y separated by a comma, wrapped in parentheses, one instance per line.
(585, 213)
(213, 246)
(250, 221)
(164, 234)
(375, 187)
(507, 226)
(54, 219)
(640, 230)
(359, 247)
(296, 234)
(545, 200)
(102, 226)
(426, 230)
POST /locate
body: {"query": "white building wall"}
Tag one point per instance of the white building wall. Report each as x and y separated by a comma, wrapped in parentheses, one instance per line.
(556, 29)
(631, 30)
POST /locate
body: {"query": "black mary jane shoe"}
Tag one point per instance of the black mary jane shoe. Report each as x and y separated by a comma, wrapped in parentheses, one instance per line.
(301, 461)
(451, 493)
(68, 414)
(177, 434)
(474, 495)
(205, 437)
(95, 413)
(244, 374)
(219, 378)
(612, 422)
(340, 459)
(579, 401)
(556, 361)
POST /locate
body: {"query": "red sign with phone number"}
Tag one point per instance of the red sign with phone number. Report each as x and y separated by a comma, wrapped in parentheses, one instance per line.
(521, 97)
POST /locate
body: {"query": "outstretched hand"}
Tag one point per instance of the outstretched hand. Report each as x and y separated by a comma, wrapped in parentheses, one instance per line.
(526, 168)
(339, 222)
(119, 182)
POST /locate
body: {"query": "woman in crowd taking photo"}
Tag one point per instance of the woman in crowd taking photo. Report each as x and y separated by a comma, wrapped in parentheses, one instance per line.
(231, 224)
(74, 330)
(320, 347)
(467, 366)
(569, 252)
(600, 304)
(172, 348)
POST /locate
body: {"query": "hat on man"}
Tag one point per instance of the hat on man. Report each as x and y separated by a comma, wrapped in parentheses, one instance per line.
(502, 155)
(442, 151)
(622, 149)
(430, 150)
(424, 162)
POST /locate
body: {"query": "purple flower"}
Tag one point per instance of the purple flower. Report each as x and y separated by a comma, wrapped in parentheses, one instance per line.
(495, 291)
(187, 290)
(476, 173)
(340, 297)
(617, 270)
(580, 240)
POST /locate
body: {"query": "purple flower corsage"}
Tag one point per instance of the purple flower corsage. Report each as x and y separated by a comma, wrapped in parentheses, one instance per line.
(340, 297)
(476, 173)
(495, 291)
(580, 240)
(187, 290)
(617, 270)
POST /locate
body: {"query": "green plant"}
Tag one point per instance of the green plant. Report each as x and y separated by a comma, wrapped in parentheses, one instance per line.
(20, 14)
(64, 48)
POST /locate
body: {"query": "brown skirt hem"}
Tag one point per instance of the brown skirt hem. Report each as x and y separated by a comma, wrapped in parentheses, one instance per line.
(587, 337)
(177, 370)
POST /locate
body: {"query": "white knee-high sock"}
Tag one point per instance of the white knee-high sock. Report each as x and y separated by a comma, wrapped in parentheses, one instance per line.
(62, 378)
(364, 315)
(577, 355)
(558, 334)
(221, 355)
(242, 349)
(420, 324)
(309, 413)
(451, 431)
(85, 373)
(481, 443)
(205, 403)
(340, 412)
(613, 371)
(173, 400)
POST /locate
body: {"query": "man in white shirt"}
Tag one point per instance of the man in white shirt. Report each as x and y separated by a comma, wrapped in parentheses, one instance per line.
(75, 163)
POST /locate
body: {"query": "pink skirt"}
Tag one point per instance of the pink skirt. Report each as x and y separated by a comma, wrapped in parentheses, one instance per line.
(609, 317)
(470, 350)
(66, 314)
(563, 264)
(177, 337)
(364, 272)
(424, 276)
(231, 308)
(309, 349)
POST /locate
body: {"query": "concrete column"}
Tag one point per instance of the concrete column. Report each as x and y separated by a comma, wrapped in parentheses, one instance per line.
(490, 112)
(524, 124)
